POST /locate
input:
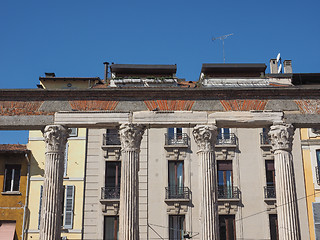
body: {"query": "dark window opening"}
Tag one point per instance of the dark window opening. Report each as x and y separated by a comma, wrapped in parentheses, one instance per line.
(12, 177)
(273, 227)
(176, 227)
(227, 227)
(111, 228)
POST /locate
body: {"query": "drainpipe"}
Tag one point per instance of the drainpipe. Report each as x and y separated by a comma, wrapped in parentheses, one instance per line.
(27, 197)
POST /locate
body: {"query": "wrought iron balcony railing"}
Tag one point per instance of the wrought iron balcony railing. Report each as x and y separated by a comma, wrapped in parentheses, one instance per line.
(111, 139)
(176, 139)
(269, 192)
(110, 193)
(228, 192)
(174, 192)
(264, 139)
(318, 174)
(226, 139)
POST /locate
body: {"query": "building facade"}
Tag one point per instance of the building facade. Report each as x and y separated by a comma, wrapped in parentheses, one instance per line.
(14, 178)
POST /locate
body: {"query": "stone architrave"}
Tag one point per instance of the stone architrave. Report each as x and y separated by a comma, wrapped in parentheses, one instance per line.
(205, 137)
(281, 136)
(55, 137)
(130, 136)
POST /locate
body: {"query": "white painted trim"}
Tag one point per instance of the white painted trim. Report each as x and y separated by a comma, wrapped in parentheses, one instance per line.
(42, 139)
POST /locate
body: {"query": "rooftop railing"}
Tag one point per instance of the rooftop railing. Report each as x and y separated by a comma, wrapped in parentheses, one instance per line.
(228, 192)
(269, 192)
(176, 139)
(110, 193)
(226, 139)
(174, 192)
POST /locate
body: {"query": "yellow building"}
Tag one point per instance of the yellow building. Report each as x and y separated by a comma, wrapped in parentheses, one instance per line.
(74, 166)
(73, 183)
(14, 165)
(310, 140)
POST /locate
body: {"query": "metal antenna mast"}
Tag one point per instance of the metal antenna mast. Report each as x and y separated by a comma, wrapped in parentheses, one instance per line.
(222, 38)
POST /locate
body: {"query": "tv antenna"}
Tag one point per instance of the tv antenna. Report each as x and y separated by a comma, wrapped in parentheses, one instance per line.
(222, 38)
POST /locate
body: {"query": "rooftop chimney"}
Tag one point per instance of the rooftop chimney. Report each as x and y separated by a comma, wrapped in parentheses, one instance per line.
(106, 65)
(50, 75)
(287, 66)
(273, 66)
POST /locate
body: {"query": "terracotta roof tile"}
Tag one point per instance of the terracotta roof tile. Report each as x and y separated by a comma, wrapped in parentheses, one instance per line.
(15, 148)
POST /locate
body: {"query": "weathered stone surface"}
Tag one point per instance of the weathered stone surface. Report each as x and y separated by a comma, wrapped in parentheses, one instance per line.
(281, 136)
(55, 137)
(131, 106)
(55, 106)
(281, 105)
(29, 122)
(302, 120)
(205, 137)
(130, 136)
(207, 105)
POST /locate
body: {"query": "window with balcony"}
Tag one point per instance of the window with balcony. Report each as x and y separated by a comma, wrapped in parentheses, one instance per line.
(176, 188)
(225, 137)
(273, 222)
(111, 228)
(112, 180)
(269, 190)
(111, 137)
(175, 136)
(176, 227)
(12, 178)
(225, 180)
(227, 227)
(264, 137)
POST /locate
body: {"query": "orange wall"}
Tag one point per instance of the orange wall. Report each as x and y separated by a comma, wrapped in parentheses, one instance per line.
(11, 206)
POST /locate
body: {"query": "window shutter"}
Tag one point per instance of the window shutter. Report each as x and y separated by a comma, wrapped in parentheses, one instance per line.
(69, 205)
(41, 191)
(316, 218)
(66, 160)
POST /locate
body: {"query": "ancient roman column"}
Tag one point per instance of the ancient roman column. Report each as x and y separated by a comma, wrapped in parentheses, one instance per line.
(130, 136)
(55, 137)
(281, 136)
(205, 137)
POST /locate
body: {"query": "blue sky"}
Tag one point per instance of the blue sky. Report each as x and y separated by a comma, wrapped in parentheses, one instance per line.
(74, 38)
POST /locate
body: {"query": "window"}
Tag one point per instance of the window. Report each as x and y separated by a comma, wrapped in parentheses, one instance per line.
(273, 227)
(65, 160)
(316, 218)
(176, 179)
(112, 137)
(74, 132)
(112, 181)
(270, 179)
(225, 179)
(175, 136)
(68, 206)
(227, 227)
(176, 227)
(111, 228)
(12, 177)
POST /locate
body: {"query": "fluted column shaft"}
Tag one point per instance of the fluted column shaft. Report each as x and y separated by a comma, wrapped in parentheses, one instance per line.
(55, 137)
(287, 209)
(205, 137)
(130, 136)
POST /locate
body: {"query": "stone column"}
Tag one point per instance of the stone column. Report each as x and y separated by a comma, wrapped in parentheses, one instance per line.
(55, 137)
(281, 136)
(205, 137)
(130, 136)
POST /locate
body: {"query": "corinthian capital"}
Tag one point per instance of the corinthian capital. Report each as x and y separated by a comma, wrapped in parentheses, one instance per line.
(281, 136)
(130, 136)
(55, 137)
(205, 137)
